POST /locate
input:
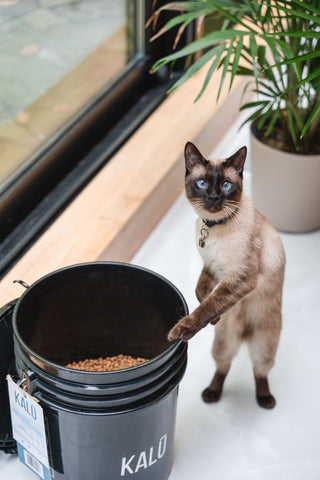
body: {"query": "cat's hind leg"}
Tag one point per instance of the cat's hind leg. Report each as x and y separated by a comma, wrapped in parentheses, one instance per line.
(225, 346)
(263, 347)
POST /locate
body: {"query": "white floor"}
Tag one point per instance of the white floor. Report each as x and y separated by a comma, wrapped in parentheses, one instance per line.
(235, 439)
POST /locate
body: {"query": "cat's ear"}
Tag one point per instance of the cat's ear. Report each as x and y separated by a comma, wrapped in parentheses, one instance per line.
(237, 160)
(192, 157)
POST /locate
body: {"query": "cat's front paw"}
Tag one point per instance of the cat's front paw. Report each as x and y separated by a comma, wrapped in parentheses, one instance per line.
(185, 329)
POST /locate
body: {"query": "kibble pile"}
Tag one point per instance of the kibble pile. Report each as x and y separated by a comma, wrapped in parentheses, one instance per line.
(107, 364)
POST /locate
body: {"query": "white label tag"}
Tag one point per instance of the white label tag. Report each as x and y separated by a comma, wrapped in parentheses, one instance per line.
(28, 429)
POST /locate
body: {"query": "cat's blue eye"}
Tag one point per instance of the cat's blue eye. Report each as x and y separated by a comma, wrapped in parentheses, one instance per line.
(226, 186)
(202, 184)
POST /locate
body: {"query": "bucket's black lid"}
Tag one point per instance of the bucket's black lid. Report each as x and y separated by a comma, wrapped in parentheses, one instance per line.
(7, 366)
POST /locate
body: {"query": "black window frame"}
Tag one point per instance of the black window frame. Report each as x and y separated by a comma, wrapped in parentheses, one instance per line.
(68, 160)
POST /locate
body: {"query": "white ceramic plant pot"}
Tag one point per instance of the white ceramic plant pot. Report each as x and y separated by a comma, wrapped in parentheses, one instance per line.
(286, 187)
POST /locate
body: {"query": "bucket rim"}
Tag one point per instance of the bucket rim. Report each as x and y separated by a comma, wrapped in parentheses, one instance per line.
(74, 372)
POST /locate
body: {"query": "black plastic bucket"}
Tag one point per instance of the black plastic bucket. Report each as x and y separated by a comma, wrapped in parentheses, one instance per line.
(103, 425)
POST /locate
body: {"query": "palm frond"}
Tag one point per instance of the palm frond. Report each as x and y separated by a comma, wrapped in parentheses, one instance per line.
(275, 42)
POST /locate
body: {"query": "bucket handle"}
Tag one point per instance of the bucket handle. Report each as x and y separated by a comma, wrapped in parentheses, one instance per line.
(21, 282)
(27, 382)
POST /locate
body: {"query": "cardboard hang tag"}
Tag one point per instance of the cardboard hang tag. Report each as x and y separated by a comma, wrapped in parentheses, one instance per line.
(28, 429)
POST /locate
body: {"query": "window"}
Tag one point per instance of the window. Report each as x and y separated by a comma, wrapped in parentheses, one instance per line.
(56, 56)
(74, 84)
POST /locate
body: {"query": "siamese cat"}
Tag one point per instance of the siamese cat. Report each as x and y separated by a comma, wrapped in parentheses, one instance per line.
(240, 286)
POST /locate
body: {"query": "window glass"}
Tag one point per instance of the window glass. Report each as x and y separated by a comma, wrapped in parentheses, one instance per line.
(55, 56)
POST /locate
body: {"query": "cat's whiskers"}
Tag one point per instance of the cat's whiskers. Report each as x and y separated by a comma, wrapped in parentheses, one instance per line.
(230, 212)
(232, 205)
(235, 220)
(228, 208)
(197, 205)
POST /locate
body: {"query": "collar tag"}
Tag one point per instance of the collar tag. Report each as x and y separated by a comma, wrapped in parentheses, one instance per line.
(206, 224)
(204, 233)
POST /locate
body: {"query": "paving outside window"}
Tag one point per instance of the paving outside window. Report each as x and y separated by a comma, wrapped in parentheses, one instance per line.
(41, 41)
(55, 56)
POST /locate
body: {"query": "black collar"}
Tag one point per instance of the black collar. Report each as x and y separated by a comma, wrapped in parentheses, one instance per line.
(211, 223)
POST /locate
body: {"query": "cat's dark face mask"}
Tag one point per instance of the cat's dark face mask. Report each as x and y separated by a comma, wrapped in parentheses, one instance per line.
(214, 185)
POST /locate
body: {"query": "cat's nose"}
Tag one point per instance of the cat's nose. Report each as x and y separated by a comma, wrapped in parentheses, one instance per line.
(215, 201)
(215, 198)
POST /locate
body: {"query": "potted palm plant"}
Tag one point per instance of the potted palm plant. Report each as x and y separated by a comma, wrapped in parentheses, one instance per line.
(275, 43)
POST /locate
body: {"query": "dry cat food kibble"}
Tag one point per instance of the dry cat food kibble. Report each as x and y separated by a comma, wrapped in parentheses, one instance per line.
(107, 364)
